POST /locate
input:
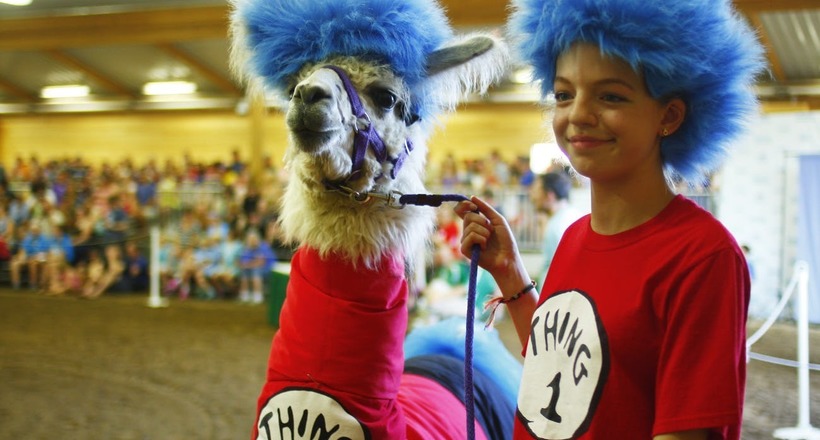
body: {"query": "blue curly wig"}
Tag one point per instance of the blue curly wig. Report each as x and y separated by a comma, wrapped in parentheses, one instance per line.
(697, 50)
(284, 35)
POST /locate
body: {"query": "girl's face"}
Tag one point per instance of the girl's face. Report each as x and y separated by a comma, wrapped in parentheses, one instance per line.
(605, 121)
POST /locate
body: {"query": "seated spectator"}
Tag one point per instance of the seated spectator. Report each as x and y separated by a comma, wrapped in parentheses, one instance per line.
(206, 259)
(33, 254)
(6, 233)
(226, 274)
(94, 269)
(85, 238)
(116, 221)
(169, 260)
(107, 273)
(193, 262)
(186, 269)
(255, 261)
(70, 281)
(60, 258)
(135, 278)
(146, 193)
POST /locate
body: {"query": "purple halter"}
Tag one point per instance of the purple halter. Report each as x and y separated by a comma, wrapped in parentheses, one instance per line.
(367, 136)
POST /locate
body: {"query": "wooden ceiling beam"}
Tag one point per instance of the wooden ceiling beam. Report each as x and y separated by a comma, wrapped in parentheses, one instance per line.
(476, 13)
(178, 24)
(212, 75)
(141, 27)
(107, 83)
(749, 6)
(16, 91)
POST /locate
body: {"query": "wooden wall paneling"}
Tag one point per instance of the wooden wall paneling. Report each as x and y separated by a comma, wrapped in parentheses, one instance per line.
(473, 131)
(207, 136)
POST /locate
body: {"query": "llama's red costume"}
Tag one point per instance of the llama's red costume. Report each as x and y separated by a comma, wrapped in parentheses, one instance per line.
(336, 364)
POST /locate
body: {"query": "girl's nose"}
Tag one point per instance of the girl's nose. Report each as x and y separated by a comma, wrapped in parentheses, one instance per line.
(582, 112)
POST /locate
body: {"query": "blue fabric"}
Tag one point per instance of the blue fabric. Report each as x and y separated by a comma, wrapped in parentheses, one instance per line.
(808, 243)
(146, 193)
(36, 244)
(285, 35)
(491, 357)
(264, 251)
(66, 246)
(494, 414)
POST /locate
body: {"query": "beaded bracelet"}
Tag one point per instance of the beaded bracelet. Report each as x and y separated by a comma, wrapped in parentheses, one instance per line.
(493, 304)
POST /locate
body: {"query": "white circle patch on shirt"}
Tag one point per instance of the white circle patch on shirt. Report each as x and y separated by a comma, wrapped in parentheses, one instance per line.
(303, 414)
(565, 367)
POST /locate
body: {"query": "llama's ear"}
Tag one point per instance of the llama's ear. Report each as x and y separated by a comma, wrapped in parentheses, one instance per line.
(468, 65)
(457, 55)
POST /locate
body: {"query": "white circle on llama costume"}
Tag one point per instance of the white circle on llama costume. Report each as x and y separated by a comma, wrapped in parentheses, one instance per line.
(566, 365)
(307, 414)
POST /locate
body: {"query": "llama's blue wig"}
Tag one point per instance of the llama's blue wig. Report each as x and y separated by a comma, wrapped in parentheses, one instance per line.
(284, 35)
(697, 50)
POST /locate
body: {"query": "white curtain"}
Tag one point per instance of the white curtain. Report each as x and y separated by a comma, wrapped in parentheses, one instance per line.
(808, 242)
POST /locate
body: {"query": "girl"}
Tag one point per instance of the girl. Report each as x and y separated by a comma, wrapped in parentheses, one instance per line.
(639, 331)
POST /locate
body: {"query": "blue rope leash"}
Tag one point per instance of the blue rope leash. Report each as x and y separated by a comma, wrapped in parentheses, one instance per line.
(469, 391)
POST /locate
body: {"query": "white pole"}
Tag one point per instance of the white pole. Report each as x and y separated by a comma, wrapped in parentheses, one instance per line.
(803, 430)
(155, 300)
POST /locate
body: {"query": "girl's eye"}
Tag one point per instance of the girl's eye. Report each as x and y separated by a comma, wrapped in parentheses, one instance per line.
(562, 96)
(384, 98)
(613, 98)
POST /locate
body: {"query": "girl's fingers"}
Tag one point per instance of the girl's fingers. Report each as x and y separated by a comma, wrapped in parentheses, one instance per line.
(477, 224)
(470, 239)
(486, 209)
(462, 208)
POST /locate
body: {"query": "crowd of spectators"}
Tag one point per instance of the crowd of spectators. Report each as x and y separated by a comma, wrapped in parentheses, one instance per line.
(479, 175)
(68, 227)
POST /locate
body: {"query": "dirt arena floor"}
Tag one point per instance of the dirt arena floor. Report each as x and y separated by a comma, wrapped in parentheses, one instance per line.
(116, 369)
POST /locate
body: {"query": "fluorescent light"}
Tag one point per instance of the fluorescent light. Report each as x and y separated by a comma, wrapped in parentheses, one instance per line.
(16, 2)
(169, 88)
(67, 91)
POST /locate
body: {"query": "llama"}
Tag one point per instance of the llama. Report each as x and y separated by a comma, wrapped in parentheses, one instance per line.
(365, 80)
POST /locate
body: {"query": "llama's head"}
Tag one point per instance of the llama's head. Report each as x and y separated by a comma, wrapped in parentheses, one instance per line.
(365, 80)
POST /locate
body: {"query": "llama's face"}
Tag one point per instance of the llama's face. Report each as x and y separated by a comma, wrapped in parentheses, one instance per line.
(323, 126)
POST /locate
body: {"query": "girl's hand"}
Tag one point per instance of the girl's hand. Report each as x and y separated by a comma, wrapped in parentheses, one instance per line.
(484, 226)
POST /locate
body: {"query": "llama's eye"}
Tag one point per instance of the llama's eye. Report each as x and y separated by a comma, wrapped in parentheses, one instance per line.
(383, 98)
(291, 91)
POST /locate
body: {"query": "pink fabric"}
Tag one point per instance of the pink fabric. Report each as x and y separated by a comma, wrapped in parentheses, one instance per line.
(432, 411)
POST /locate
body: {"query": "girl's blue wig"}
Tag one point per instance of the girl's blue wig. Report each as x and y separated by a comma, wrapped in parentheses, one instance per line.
(283, 35)
(697, 50)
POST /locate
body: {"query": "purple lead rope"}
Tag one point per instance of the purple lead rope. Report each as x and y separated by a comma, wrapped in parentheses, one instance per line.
(469, 391)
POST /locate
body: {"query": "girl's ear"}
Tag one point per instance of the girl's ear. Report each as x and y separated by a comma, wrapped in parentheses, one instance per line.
(674, 114)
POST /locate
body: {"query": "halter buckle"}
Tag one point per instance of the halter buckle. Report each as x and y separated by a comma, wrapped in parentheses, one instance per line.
(364, 119)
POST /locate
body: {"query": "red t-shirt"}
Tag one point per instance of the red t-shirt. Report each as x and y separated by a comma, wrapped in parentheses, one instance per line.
(336, 362)
(639, 333)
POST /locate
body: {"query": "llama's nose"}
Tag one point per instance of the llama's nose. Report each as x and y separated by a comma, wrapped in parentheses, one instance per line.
(310, 94)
